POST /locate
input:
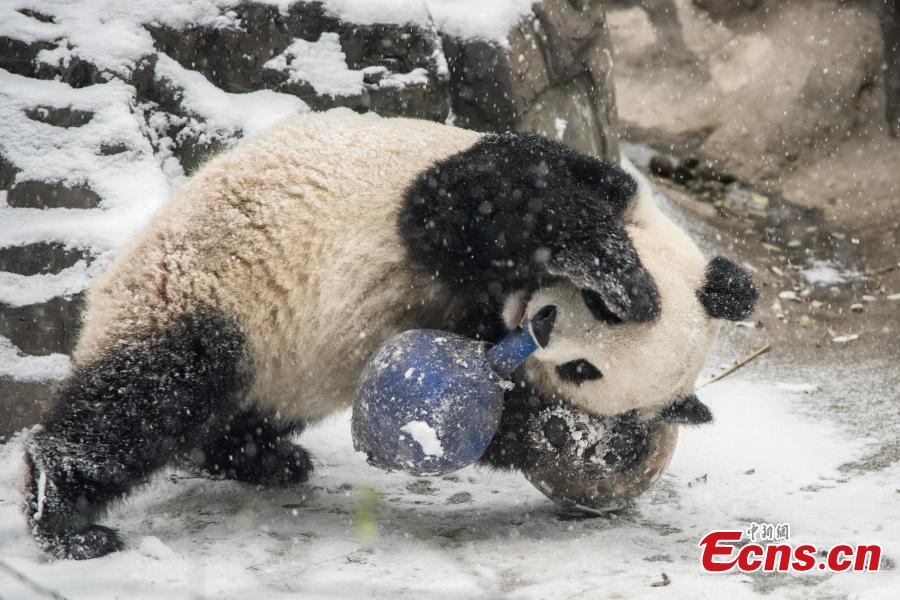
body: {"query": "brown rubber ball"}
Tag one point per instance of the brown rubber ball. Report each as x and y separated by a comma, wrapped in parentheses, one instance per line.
(596, 464)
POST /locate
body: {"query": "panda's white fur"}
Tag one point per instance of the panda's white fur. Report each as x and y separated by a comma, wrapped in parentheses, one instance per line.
(294, 234)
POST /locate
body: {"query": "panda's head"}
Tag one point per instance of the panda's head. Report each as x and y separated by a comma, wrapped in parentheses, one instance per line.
(608, 361)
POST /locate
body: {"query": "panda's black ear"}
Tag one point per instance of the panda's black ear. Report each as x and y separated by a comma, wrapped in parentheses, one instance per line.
(728, 291)
(687, 411)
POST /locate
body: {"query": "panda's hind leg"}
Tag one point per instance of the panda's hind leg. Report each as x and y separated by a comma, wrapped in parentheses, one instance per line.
(120, 417)
(254, 448)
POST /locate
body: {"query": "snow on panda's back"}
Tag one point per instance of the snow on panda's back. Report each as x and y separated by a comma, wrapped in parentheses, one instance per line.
(293, 234)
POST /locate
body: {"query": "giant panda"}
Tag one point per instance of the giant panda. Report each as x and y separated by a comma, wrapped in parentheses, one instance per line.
(247, 307)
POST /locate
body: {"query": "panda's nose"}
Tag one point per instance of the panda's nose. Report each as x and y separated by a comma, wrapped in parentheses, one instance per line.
(542, 324)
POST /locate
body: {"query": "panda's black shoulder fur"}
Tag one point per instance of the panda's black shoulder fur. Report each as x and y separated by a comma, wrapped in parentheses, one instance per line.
(502, 213)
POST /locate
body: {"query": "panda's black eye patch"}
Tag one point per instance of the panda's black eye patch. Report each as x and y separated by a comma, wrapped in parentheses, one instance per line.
(578, 371)
(598, 307)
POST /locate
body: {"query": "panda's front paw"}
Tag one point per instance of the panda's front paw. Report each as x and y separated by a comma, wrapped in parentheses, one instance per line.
(288, 463)
(278, 463)
(687, 411)
(92, 542)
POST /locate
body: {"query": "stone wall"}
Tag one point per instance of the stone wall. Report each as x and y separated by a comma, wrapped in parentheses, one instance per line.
(760, 85)
(150, 121)
(555, 78)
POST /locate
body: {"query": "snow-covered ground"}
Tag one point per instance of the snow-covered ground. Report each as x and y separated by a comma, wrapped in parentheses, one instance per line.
(356, 532)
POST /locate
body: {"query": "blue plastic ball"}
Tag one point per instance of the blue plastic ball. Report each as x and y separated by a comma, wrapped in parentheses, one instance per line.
(428, 403)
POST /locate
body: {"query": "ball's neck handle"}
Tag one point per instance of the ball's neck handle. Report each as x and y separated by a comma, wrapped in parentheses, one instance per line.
(512, 350)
